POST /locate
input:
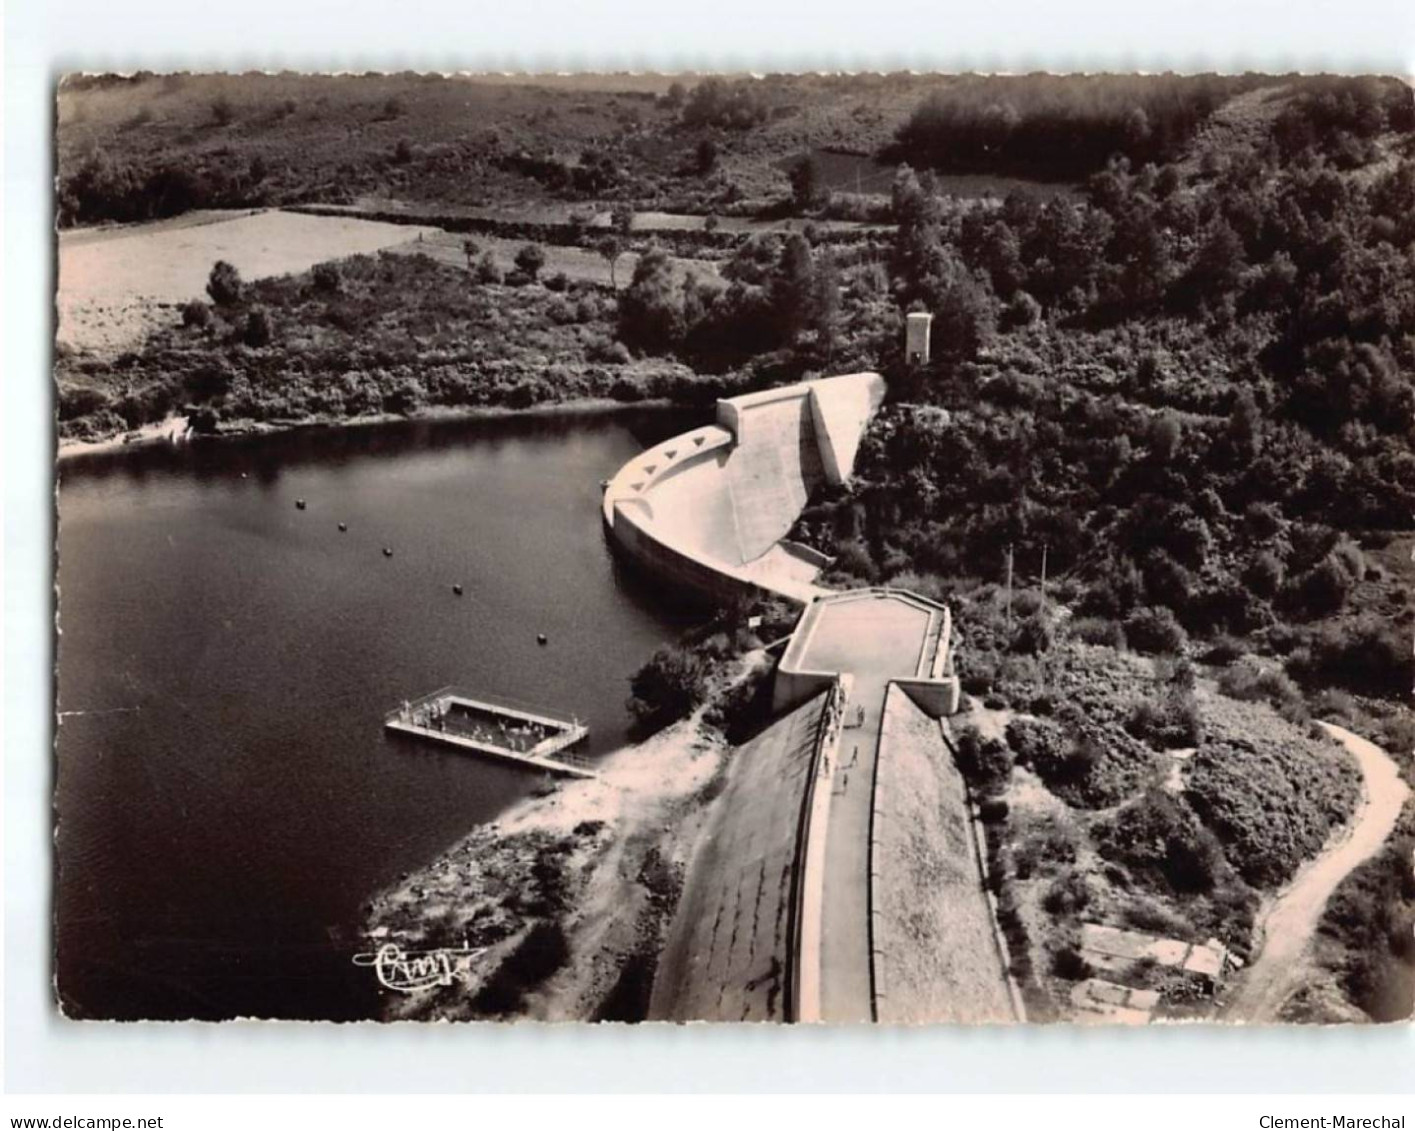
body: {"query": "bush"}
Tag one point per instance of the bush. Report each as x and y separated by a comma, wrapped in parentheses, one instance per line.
(196, 314)
(1032, 636)
(530, 259)
(487, 271)
(257, 332)
(327, 278)
(1370, 656)
(1251, 680)
(667, 688)
(224, 284)
(1036, 741)
(608, 351)
(984, 762)
(745, 708)
(1097, 630)
(1271, 799)
(1154, 631)
(1069, 895)
(1160, 841)
(1069, 963)
(538, 955)
(1172, 722)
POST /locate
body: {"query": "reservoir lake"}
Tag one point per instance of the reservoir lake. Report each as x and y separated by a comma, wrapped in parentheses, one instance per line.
(226, 796)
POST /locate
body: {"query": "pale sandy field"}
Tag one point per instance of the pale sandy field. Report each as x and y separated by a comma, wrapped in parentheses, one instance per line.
(115, 284)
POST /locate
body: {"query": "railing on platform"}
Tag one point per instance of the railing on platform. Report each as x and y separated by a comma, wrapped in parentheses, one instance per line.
(426, 715)
(505, 702)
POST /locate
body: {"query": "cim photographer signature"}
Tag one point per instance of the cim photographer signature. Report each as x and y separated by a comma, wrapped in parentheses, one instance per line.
(408, 971)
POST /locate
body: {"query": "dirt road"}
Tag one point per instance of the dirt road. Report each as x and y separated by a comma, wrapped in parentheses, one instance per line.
(1290, 921)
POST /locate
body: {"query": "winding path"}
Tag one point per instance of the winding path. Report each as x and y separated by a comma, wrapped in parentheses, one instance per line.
(1290, 921)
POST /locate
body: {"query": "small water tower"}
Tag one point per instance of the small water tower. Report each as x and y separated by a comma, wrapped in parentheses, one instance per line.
(917, 329)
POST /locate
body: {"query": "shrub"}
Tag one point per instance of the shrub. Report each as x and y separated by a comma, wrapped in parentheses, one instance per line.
(539, 954)
(1036, 741)
(608, 351)
(1251, 680)
(1264, 574)
(1069, 963)
(487, 271)
(1172, 722)
(627, 390)
(1154, 631)
(1069, 895)
(196, 314)
(745, 708)
(1369, 656)
(327, 278)
(1097, 630)
(1223, 650)
(257, 330)
(224, 284)
(984, 762)
(1032, 636)
(559, 282)
(530, 259)
(1271, 800)
(1160, 841)
(667, 688)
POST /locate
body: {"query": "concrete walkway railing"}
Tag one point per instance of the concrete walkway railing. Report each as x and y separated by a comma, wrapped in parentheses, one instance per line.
(808, 900)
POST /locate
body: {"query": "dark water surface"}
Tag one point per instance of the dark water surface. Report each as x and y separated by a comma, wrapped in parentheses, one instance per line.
(227, 797)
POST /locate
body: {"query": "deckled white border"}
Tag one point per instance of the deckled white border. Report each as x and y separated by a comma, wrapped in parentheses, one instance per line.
(45, 1053)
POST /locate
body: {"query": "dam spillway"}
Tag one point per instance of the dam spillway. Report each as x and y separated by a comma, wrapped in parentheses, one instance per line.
(710, 509)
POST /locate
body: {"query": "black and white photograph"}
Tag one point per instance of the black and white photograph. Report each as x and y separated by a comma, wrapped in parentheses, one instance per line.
(887, 548)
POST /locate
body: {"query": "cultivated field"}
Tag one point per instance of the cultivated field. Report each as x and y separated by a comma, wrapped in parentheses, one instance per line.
(114, 282)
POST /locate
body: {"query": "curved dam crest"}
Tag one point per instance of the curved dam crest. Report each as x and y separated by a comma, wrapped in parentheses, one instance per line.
(710, 509)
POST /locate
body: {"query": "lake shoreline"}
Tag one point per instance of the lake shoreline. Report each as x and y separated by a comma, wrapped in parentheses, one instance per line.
(174, 430)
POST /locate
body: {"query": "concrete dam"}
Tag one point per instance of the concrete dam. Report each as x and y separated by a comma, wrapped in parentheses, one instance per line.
(811, 896)
(710, 509)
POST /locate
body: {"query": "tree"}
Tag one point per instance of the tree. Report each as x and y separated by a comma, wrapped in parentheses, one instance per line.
(196, 314)
(825, 303)
(487, 270)
(1166, 433)
(963, 306)
(706, 156)
(650, 309)
(792, 288)
(327, 278)
(670, 685)
(257, 329)
(621, 218)
(805, 183)
(470, 250)
(610, 249)
(530, 259)
(224, 284)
